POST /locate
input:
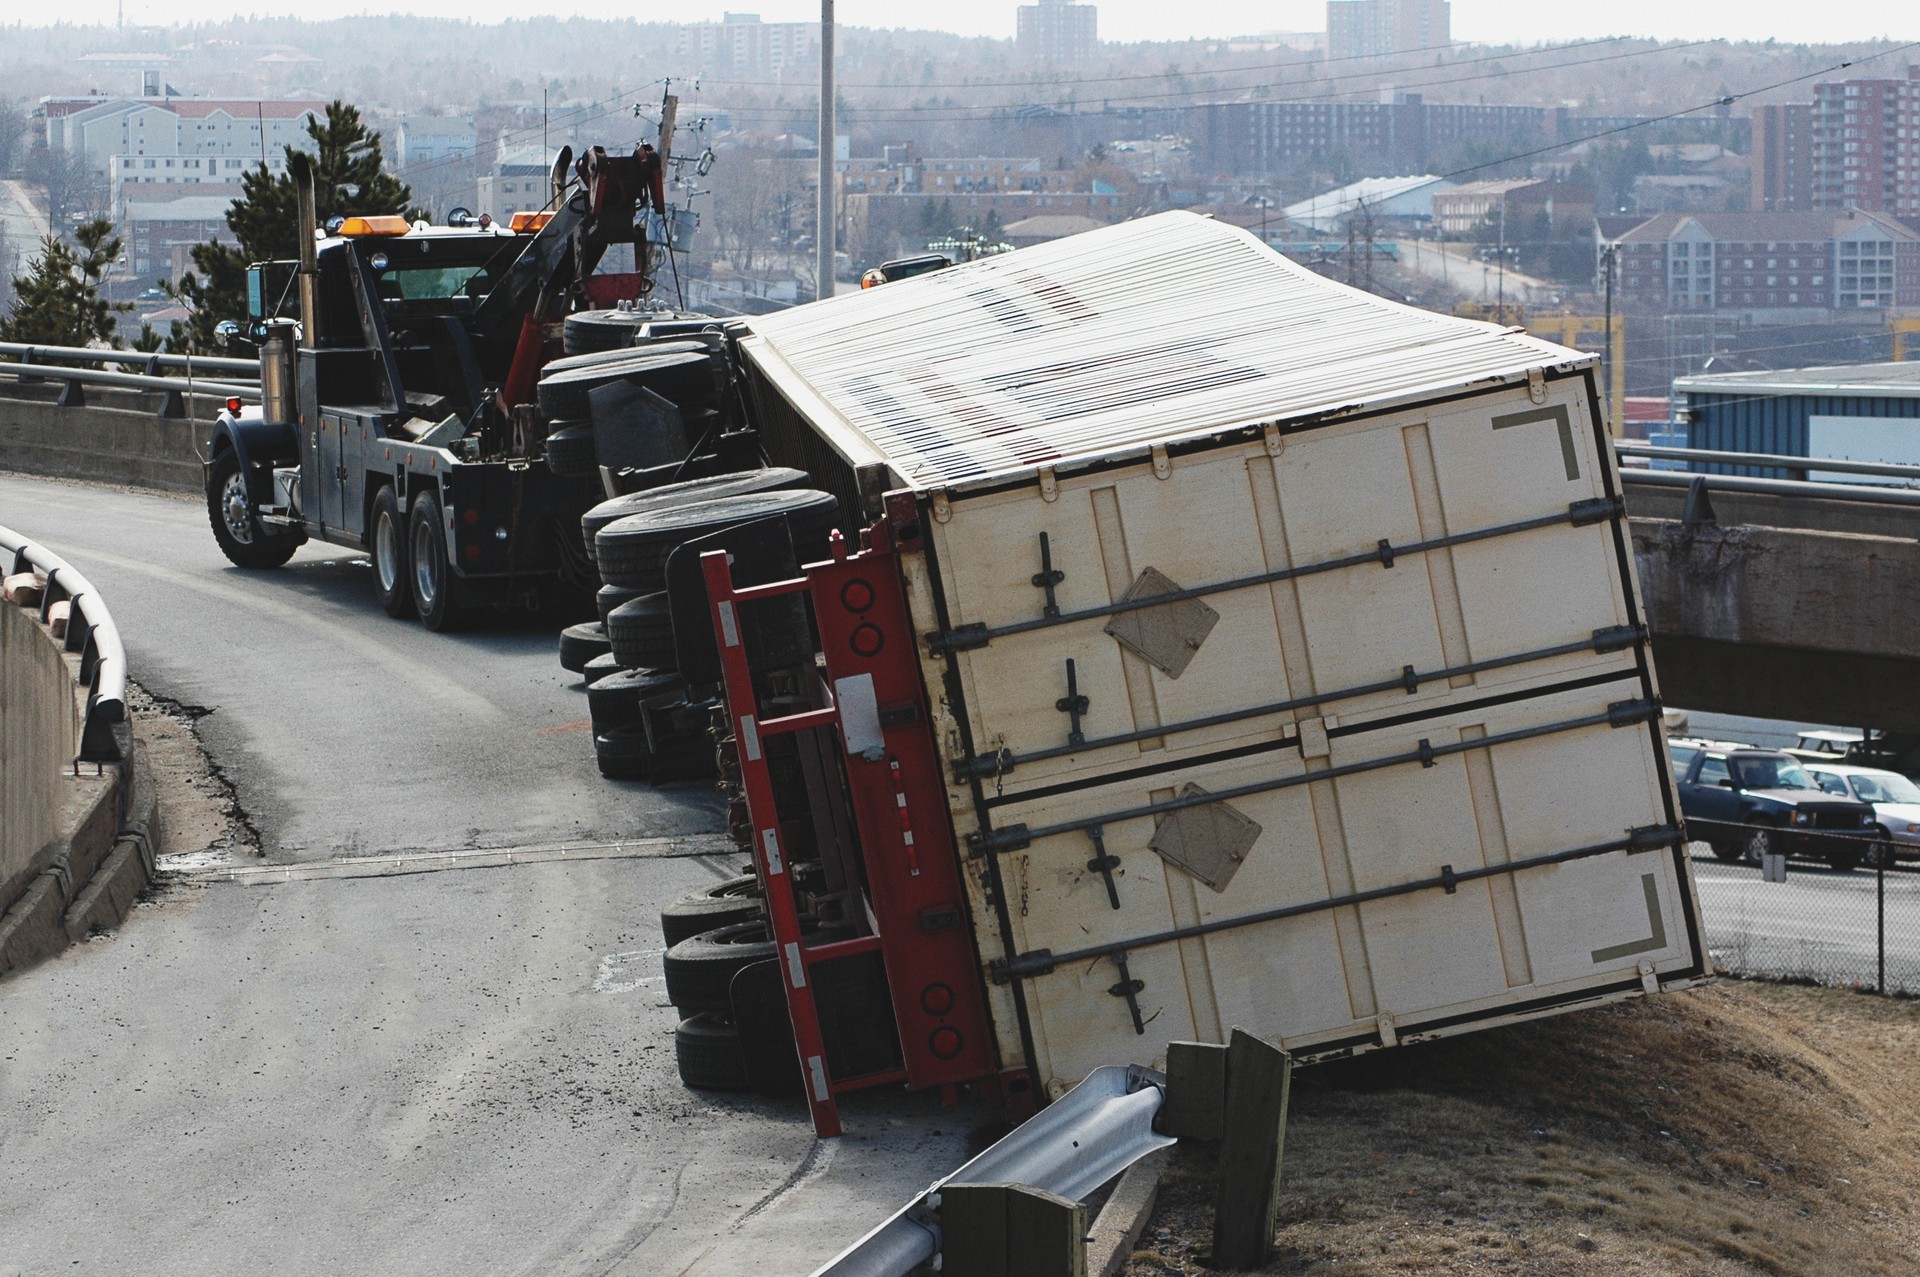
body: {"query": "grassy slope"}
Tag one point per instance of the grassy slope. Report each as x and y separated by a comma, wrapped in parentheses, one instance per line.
(1735, 1129)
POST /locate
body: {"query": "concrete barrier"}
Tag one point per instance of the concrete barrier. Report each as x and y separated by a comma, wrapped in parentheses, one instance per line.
(77, 840)
(117, 436)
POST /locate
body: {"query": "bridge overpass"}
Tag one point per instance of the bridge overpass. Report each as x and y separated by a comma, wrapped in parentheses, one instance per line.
(1782, 599)
(1771, 598)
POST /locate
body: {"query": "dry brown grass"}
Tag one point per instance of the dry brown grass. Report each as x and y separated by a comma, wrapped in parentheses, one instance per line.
(1741, 1128)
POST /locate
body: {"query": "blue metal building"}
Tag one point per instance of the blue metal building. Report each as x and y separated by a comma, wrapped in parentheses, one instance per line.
(1860, 412)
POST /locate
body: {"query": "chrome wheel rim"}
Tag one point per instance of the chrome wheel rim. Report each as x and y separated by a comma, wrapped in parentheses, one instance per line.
(386, 554)
(235, 509)
(426, 569)
(1759, 842)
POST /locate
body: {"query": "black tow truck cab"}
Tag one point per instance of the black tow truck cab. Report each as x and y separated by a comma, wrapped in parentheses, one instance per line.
(396, 412)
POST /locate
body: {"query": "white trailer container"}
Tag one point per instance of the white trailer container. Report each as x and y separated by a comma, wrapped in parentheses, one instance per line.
(1282, 642)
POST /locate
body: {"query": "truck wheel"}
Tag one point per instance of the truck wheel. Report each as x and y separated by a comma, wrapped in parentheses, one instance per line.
(237, 529)
(387, 538)
(711, 1057)
(686, 492)
(633, 551)
(699, 970)
(1758, 843)
(610, 597)
(621, 752)
(724, 904)
(642, 634)
(1880, 850)
(1731, 852)
(581, 643)
(431, 580)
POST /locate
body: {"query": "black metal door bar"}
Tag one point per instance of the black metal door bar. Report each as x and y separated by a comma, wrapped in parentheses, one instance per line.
(979, 634)
(1014, 837)
(1040, 962)
(1001, 762)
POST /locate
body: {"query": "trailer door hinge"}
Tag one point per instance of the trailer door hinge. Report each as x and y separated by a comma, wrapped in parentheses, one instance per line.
(962, 638)
(1536, 385)
(1162, 468)
(992, 841)
(942, 506)
(1049, 485)
(1275, 441)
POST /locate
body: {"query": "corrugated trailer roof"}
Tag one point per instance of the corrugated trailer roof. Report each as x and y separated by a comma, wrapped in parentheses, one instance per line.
(1153, 331)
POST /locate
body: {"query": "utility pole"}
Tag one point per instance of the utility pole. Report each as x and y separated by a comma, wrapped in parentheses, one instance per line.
(1606, 342)
(1501, 312)
(823, 236)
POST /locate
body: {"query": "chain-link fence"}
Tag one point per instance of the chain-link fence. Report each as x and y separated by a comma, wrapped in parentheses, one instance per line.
(1790, 902)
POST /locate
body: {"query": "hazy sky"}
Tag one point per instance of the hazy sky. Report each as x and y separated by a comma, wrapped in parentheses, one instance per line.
(1492, 20)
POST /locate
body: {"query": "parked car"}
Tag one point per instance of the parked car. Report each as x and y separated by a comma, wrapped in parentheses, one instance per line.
(1896, 807)
(1748, 802)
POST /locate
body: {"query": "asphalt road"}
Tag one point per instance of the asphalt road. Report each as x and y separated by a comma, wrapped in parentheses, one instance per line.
(461, 1071)
(1817, 923)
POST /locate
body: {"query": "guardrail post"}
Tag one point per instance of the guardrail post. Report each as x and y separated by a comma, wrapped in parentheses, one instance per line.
(1010, 1230)
(71, 395)
(26, 357)
(1259, 1082)
(172, 404)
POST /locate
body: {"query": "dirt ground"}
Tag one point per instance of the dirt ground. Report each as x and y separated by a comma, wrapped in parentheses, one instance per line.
(1739, 1128)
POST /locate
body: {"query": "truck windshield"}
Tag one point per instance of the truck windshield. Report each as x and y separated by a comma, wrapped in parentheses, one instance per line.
(1772, 773)
(424, 282)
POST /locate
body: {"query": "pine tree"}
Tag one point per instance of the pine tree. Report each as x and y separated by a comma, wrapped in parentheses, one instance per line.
(57, 302)
(350, 180)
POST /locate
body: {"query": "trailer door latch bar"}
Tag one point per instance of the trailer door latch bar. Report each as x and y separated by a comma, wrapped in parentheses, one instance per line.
(1129, 988)
(1104, 863)
(1073, 705)
(1047, 577)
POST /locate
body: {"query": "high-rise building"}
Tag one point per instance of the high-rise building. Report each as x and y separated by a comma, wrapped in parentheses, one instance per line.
(1058, 31)
(1381, 28)
(1783, 158)
(1864, 155)
(743, 45)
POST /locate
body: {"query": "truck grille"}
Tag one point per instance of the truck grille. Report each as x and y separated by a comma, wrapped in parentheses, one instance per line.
(1839, 819)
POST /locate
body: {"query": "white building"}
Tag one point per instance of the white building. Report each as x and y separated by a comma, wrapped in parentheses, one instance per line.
(98, 128)
(748, 48)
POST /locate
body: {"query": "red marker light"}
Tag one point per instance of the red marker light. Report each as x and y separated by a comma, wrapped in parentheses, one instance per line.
(233, 406)
(472, 516)
(473, 552)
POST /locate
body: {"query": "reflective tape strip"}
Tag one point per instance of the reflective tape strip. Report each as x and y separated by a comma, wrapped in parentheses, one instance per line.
(750, 738)
(770, 839)
(818, 1071)
(729, 628)
(795, 966)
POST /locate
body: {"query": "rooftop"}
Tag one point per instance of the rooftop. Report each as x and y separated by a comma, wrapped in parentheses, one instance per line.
(1871, 381)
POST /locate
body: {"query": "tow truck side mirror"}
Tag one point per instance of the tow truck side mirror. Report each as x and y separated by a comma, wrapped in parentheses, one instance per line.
(226, 332)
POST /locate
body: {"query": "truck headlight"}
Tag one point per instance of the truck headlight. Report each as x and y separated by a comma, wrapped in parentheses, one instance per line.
(1802, 818)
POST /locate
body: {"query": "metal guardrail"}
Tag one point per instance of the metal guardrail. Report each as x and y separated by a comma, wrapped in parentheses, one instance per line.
(170, 386)
(28, 353)
(1767, 460)
(1878, 494)
(105, 734)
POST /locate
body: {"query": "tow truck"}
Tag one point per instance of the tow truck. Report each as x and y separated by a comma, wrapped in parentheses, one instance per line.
(397, 411)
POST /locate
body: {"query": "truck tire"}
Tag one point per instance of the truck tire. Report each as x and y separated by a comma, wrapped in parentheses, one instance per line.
(642, 633)
(236, 527)
(686, 492)
(1757, 841)
(609, 597)
(621, 752)
(724, 904)
(581, 643)
(432, 580)
(387, 543)
(599, 667)
(590, 331)
(633, 551)
(710, 1055)
(570, 451)
(699, 970)
(661, 367)
(616, 699)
